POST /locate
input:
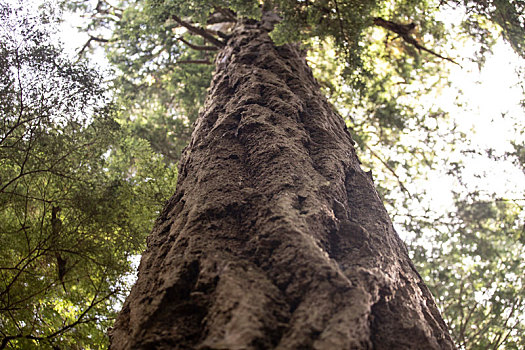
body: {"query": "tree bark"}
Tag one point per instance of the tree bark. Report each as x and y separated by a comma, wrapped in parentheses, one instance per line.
(275, 237)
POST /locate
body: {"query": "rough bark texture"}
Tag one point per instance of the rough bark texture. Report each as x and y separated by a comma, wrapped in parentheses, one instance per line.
(275, 237)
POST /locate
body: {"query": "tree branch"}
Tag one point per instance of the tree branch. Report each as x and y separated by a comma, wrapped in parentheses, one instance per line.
(194, 62)
(229, 16)
(405, 31)
(21, 98)
(78, 321)
(199, 31)
(198, 47)
(88, 43)
(391, 170)
(341, 26)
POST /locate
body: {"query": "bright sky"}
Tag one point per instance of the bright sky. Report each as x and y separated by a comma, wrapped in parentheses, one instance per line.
(489, 119)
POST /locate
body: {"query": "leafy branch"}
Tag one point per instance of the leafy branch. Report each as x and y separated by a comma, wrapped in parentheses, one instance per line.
(405, 32)
(80, 320)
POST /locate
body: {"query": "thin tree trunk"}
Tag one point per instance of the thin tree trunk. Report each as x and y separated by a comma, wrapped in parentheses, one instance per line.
(275, 237)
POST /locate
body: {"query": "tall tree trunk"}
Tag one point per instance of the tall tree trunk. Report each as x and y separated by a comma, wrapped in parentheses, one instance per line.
(275, 237)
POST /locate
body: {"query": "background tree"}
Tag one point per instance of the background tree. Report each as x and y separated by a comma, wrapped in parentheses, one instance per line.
(77, 192)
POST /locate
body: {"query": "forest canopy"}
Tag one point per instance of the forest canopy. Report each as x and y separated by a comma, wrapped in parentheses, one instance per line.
(86, 163)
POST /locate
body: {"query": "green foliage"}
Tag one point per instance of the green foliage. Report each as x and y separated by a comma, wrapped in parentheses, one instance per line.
(343, 21)
(475, 268)
(160, 95)
(160, 91)
(78, 193)
(508, 15)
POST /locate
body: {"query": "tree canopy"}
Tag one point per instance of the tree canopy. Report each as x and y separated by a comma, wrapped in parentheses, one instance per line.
(82, 179)
(78, 192)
